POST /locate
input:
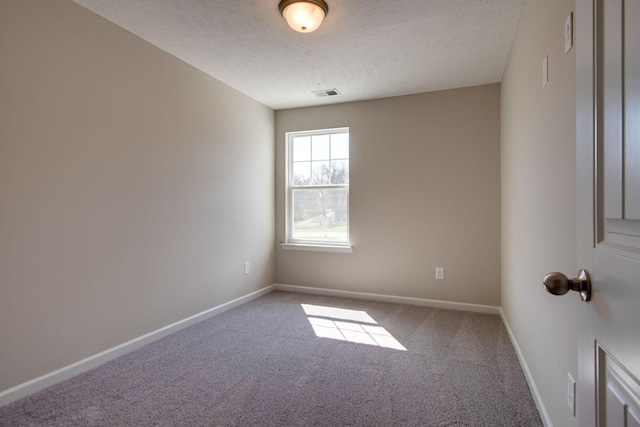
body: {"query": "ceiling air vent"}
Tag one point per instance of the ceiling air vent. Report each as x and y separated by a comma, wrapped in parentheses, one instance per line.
(326, 92)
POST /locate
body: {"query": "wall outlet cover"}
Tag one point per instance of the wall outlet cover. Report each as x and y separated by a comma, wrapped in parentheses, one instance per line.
(571, 394)
(568, 33)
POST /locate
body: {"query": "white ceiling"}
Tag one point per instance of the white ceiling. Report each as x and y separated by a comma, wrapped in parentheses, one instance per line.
(365, 49)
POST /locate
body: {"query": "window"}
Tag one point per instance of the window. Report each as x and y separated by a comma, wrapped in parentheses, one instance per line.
(318, 187)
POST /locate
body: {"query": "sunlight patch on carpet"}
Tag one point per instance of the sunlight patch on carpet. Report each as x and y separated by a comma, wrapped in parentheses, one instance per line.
(349, 325)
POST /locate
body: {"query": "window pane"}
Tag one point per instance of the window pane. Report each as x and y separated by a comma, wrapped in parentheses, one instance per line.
(321, 173)
(340, 146)
(301, 173)
(340, 172)
(320, 215)
(301, 148)
(320, 147)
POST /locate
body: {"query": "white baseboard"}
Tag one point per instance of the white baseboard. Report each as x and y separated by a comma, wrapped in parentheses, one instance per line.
(544, 415)
(390, 298)
(37, 384)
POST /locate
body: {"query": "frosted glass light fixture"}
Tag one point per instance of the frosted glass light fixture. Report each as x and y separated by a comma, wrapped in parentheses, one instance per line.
(304, 16)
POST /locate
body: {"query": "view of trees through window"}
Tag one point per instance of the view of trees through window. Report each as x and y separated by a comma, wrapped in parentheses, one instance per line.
(319, 186)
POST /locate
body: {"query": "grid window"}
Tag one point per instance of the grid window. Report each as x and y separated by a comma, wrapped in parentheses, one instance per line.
(318, 187)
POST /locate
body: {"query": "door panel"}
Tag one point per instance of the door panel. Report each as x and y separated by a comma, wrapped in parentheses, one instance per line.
(632, 109)
(621, 394)
(612, 97)
(619, 86)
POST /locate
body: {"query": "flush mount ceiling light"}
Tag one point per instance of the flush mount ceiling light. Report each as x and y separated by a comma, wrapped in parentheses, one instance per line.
(304, 16)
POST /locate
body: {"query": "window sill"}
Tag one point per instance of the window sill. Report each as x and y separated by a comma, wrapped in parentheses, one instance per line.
(316, 248)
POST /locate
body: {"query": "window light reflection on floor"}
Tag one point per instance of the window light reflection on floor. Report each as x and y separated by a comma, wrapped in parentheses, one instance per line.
(349, 325)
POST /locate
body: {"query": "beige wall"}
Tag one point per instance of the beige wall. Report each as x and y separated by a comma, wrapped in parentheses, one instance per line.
(132, 188)
(424, 193)
(538, 200)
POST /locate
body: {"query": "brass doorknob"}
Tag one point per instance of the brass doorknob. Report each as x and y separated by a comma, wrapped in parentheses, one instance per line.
(559, 284)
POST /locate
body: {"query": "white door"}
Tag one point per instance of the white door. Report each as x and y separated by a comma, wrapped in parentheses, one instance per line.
(608, 197)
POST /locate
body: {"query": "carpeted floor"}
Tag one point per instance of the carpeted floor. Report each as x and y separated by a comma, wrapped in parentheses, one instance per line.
(262, 364)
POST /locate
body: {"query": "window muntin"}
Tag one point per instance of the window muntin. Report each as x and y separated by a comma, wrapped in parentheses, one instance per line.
(318, 187)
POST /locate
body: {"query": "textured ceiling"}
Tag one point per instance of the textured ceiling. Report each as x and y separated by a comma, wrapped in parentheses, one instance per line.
(365, 48)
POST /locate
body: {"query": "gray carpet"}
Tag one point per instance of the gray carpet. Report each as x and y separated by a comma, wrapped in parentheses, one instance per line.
(262, 364)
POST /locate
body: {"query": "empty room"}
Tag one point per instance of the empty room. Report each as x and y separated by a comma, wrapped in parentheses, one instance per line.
(338, 212)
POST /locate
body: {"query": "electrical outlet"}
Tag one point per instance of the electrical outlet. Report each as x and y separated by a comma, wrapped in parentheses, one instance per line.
(247, 268)
(571, 394)
(439, 273)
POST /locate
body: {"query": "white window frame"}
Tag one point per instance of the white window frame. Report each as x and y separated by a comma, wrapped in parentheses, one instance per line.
(310, 245)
